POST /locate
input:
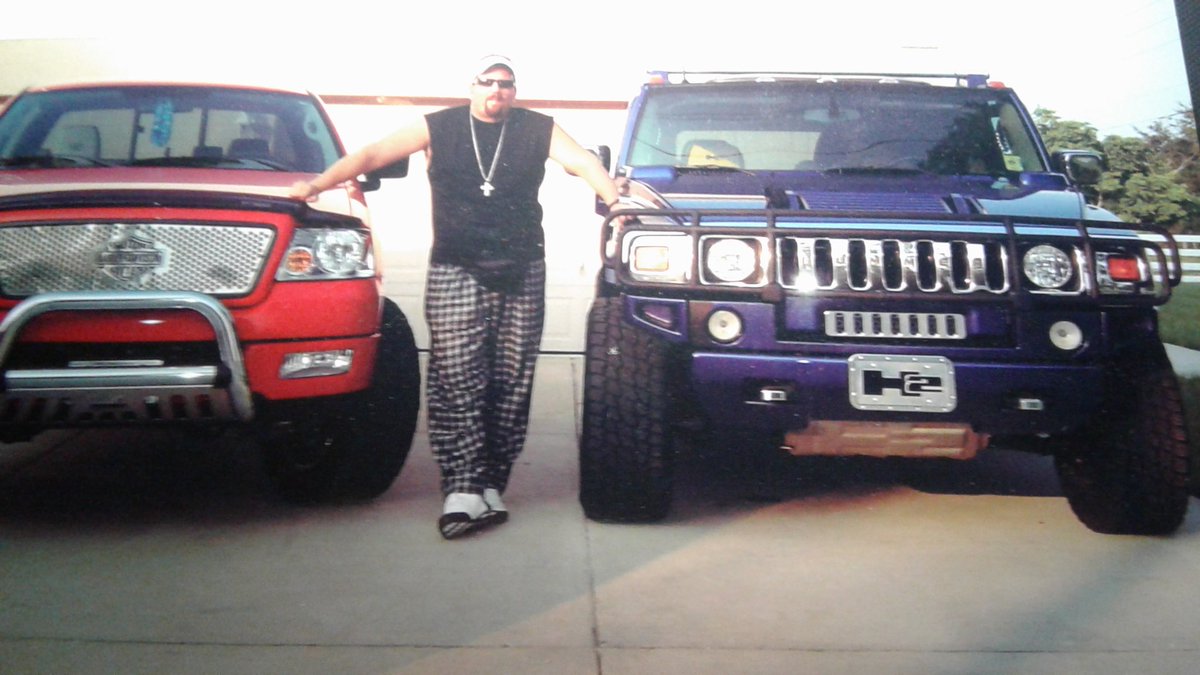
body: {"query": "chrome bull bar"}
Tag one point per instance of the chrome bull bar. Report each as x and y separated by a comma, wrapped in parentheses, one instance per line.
(124, 392)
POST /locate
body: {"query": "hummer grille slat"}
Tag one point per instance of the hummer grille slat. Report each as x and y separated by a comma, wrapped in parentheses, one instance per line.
(840, 264)
(897, 325)
(132, 256)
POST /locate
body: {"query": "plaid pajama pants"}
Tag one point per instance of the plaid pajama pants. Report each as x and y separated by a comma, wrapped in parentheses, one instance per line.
(483, 345)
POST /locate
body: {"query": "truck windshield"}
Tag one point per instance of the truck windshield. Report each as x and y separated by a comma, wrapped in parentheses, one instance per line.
(835, 127)
(166, 126)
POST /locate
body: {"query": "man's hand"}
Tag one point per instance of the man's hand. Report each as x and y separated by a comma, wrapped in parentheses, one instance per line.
(303, 190)
(616, 226)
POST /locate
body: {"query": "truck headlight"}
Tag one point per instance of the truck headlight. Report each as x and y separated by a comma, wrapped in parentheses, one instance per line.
(327, 253)
(733, 261)
(1047, 266)
(659, 257)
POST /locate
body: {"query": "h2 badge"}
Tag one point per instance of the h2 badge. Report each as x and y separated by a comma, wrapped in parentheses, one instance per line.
(902, 383)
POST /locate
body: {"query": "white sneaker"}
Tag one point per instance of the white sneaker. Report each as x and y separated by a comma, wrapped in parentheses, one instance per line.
(496, 513)
(461, 513)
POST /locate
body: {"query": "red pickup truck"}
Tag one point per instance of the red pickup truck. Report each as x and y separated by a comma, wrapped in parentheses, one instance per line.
(153, 271)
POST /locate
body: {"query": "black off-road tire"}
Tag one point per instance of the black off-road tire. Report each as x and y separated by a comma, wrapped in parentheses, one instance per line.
(1129, 475)
(626, 456)
(350, 448)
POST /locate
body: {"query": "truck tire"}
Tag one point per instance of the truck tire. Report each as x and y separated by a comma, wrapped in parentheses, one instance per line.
(351, 448)
(1129, 475)
(626, 460)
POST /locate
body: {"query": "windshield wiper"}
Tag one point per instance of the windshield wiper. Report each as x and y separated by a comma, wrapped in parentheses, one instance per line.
(51, 161)
(228, 162)
(684, 168)
(878, 170)
(269, 163)
(179, 161)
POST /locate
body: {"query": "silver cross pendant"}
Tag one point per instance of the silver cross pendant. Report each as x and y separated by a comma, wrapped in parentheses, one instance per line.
(487, 188)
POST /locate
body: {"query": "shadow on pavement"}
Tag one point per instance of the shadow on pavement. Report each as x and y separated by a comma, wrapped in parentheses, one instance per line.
(102, 477)
(747, 475)
(148, 476)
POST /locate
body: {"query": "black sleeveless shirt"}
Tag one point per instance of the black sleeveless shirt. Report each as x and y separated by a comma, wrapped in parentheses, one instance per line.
(467, 225)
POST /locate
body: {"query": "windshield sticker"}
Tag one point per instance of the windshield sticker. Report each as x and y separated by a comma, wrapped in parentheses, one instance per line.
(164, 116)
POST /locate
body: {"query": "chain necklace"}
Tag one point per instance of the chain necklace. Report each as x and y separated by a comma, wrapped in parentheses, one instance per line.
(487, 186)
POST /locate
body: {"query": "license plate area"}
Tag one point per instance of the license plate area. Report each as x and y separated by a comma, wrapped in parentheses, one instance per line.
(902, 383)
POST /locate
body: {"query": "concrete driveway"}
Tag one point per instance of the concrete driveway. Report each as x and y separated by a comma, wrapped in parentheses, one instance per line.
(141, 552)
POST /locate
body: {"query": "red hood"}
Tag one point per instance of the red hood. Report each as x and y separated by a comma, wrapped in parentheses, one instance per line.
(347, 201)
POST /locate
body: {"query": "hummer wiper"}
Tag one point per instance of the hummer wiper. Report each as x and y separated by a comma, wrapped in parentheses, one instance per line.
(712, 167)
(876, 170)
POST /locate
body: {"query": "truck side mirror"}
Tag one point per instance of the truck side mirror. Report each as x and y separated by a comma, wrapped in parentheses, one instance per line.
(374, 179)
(1082, 167)
(604, 154)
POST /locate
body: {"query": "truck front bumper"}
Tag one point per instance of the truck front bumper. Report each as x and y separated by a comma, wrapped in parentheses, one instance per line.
(783, 393)
(124, 391)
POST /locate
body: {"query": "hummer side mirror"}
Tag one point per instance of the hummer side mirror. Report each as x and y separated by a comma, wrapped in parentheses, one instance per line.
(1082, 167)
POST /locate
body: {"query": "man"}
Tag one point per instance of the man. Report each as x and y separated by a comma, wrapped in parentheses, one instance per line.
(485, 293)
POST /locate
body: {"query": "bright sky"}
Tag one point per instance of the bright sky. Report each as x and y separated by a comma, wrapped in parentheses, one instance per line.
(1116, 65)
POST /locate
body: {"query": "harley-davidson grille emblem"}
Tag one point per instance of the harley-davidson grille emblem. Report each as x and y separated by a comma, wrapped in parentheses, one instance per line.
(132, 257)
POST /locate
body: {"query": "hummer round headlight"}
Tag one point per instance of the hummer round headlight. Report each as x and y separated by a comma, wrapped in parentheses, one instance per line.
(731, 260)
(1047, 266)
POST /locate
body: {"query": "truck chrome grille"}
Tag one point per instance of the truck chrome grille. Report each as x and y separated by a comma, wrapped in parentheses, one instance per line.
(896, 325)
(132, 256)
(893, 265)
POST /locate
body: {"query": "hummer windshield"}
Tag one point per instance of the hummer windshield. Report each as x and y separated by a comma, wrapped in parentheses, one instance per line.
(835, 127)
(166, 126)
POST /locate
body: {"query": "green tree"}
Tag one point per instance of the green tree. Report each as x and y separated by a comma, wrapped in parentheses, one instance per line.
(1157, 198)
(1153, 178)
(1060, 134)
(1126, 157)
(1175, 154)
(1173, 141)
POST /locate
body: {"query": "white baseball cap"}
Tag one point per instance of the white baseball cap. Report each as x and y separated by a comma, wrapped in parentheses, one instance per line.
(494, 61)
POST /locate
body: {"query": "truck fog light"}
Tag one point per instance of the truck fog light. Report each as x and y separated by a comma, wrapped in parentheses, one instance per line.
(316, 364)
(1066, 335)
(724, 326)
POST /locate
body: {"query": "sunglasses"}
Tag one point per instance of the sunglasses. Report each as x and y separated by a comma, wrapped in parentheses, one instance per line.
(503, 84)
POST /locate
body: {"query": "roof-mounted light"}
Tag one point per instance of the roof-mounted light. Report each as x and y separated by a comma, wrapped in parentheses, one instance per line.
(657, 77)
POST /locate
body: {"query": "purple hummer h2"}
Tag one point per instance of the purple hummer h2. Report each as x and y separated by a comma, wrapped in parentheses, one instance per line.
(882, 265)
